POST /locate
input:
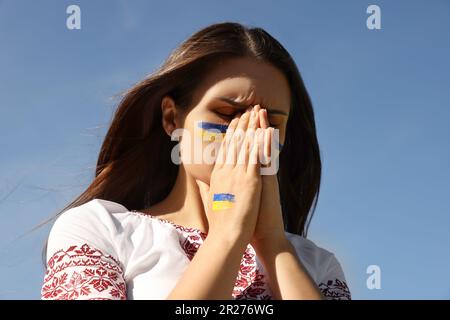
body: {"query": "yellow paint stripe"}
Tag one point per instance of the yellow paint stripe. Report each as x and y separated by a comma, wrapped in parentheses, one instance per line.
(221, 205)
(210, 136)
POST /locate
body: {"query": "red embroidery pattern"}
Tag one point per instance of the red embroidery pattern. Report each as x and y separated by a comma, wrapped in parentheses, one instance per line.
(250, 283)
(83, 272)
(335, 290)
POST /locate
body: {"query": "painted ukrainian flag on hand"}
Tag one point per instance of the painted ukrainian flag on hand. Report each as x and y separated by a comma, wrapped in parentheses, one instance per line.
(222, 201)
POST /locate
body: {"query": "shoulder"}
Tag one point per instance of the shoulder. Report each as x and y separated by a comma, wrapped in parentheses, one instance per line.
(85, 257)
(98, 223)
(96, 209)
(310, 251)
(96, 216)
(323, 266)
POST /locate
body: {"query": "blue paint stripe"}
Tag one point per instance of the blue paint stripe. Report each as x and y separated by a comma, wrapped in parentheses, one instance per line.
(223, 197)
(209, 125)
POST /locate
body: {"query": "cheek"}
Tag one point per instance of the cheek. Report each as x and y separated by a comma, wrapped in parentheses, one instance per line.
(199, 143)
(208, 132)
(198, 148)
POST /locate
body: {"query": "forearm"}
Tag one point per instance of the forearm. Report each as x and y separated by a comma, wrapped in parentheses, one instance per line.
(288, 278)
(212, 273)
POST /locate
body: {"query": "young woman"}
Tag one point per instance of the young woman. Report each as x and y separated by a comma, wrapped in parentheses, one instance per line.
(149, 227)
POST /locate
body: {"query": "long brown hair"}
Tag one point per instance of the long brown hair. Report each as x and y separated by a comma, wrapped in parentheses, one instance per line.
(128, 173)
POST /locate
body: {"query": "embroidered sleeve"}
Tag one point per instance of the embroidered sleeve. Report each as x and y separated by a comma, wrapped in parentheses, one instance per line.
(81, 260)
(333, 284)
(83, 273)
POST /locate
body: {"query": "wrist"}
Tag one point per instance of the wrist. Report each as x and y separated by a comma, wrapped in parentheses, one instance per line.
(228, 240)
(272, 244)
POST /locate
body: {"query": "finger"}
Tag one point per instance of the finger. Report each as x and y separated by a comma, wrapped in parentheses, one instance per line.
(257, 109)
(252, 126)
(239, 133)
(227, 139)
(261, 146)
(254, 119)
(248, 139)
(243, 121)
(233, 123)
(253, 164)
(221, 155)
(232, 151)
(267, 145)
(264, 121)
(232, 127)
(204, 189)
(243, 152)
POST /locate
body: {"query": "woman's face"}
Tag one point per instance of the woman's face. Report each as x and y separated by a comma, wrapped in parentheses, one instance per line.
(232, 87)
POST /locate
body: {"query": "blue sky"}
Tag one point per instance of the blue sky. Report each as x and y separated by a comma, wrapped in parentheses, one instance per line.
(381, 98)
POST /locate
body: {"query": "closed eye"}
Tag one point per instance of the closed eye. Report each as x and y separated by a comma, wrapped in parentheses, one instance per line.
(226, 114)
(230, 116)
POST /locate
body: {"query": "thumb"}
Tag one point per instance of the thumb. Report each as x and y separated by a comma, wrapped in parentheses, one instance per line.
(204, 187)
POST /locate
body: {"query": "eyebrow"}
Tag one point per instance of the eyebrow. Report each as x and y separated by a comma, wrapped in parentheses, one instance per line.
(244, 106)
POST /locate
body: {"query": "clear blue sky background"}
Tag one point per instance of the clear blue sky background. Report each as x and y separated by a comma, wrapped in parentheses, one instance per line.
(381, 98)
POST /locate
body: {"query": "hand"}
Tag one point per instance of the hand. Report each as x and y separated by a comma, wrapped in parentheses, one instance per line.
(236, 174)
(270, 225)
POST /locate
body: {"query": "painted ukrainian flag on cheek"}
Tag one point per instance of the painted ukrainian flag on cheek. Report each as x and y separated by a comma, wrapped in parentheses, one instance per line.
(211, 131)
(222, 201)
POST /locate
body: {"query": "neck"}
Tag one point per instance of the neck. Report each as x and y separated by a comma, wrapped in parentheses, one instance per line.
(183, 205)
